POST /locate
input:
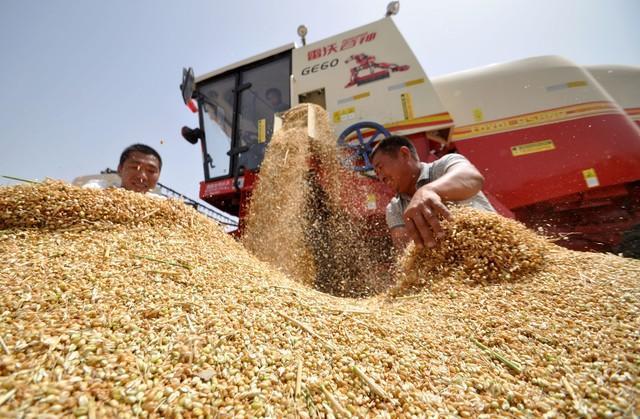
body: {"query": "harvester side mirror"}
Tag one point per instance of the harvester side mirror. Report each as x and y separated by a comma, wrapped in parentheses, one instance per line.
(188, 84)
(190, 134)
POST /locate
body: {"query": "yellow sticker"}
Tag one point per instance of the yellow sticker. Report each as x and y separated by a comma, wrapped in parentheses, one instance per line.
(361, 95)
(414, 82)
(344, 114)
(537, 147)
(371, 201)
(407, 105)
(591, 178)
(262, 130)
(577, 83)
(478, 116)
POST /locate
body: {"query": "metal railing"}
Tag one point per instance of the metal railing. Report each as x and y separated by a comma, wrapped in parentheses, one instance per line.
(211, 212)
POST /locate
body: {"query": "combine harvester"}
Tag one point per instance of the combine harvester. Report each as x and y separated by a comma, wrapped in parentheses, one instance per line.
(557, 151)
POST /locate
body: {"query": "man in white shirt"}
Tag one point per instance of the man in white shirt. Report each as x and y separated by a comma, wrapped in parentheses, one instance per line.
(415, 212)
(139, 168)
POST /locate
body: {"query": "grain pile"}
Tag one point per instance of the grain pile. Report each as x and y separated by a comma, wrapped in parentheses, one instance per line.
(298, 219)
(150, 310)
(477, 247)
(19, 208)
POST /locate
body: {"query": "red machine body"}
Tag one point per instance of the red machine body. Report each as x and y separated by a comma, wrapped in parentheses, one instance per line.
(553, 145)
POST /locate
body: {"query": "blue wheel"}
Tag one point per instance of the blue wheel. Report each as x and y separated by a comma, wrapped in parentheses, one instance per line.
(361, 149)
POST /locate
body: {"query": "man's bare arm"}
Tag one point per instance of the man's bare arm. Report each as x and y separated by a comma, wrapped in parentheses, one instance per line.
(461, 181)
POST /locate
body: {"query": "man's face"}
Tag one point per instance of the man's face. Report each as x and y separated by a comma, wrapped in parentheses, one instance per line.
(394, 170)
(274, 99)
(139, 172)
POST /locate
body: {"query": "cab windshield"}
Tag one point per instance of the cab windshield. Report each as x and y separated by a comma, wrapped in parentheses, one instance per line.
(237, 110)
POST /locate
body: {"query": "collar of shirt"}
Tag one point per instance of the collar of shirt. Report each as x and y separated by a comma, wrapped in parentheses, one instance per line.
(422, 180)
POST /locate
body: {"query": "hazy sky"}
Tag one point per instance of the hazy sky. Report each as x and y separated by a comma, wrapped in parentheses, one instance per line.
(81, 80)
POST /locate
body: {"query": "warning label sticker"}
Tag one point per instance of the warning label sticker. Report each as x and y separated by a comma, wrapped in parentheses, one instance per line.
(591, 178)
(371, 202)
(530, 148)
(407, 105)
(262, 130)
(344, 114)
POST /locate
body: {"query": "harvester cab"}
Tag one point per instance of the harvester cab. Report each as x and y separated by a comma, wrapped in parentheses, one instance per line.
(236, 108)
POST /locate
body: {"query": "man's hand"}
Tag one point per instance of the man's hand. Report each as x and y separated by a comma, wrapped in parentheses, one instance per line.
(422, 217)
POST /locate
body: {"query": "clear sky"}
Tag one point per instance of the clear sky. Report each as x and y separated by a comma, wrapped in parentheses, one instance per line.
(82, 79)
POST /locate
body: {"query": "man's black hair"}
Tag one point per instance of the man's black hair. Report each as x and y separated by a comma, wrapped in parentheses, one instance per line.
(142, 148)
(392, 144)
